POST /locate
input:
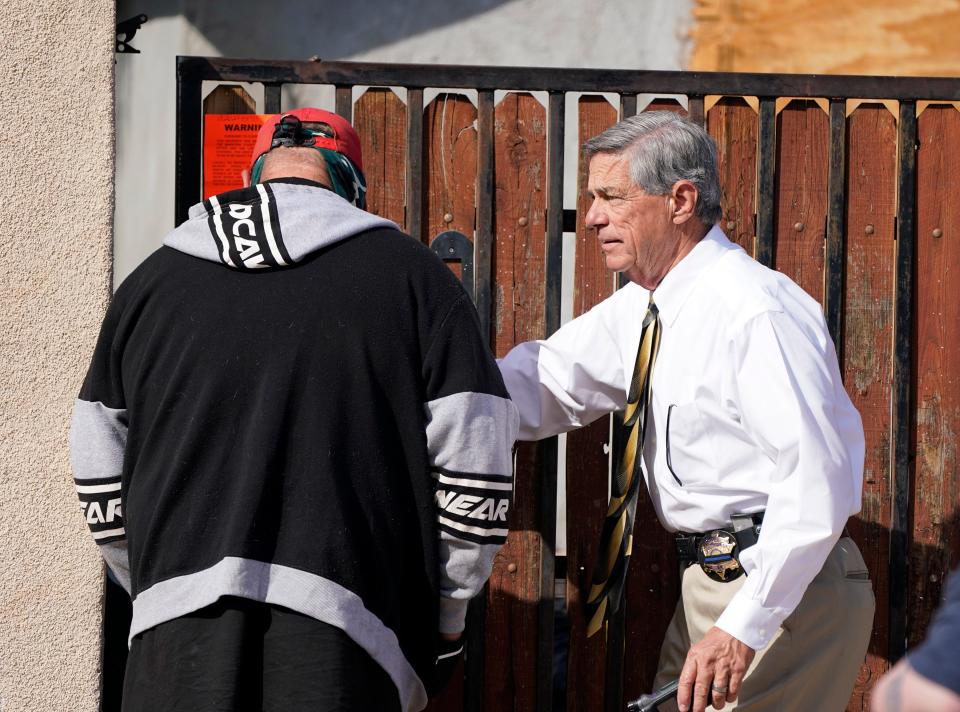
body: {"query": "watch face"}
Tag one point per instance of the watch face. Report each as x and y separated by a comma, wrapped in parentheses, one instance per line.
(717, 556)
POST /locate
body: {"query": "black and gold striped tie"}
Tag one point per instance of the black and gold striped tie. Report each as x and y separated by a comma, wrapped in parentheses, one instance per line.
(616, 538)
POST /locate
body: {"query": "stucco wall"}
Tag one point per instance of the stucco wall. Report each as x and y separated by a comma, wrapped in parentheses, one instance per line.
(56, 153)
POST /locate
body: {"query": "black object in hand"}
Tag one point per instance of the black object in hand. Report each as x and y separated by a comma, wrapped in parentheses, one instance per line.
(649, 703)
(448, 655)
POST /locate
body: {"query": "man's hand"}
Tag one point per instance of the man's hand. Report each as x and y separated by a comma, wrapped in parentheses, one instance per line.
(713, 671)
(903, 689)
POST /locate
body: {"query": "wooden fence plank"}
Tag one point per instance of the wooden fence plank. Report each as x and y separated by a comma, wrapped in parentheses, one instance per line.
(735, 127)
(229, 99)
(520, 156)
(936, 517)
(663, 104)
(449, 200)
(450, 166)
(587, 455)
(867, 352)
(803, 134)
(381, 121)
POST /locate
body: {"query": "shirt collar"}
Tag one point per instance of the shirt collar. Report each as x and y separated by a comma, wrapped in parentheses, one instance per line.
(680, 282)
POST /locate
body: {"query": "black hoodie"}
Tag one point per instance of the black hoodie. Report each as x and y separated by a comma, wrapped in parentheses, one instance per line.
(291, 402)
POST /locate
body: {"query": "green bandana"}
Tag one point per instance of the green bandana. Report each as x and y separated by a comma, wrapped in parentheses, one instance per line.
(346, 179)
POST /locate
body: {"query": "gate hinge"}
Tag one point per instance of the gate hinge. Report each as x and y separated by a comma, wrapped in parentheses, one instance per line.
(126, 31)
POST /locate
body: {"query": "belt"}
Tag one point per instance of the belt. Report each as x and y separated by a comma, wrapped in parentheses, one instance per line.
(717, 550)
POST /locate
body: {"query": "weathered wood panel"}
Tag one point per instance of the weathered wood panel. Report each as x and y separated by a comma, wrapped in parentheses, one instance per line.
(935, 513)
(665, 104)
(229, 99)
(867, 351)
(587, 454)
(734, 126)
(519, 315)
(803, 139)
(381, 121)
(450, 166)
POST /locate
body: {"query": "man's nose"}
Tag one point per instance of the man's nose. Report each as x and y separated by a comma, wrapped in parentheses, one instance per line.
(595, 216)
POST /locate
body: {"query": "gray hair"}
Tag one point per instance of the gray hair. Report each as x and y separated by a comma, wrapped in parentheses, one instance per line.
(665, 147)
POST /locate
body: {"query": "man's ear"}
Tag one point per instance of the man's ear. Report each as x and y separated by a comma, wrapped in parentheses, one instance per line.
(245, 174)
(684, 197)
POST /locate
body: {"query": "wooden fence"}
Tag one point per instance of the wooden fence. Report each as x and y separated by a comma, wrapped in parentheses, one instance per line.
(851, 199)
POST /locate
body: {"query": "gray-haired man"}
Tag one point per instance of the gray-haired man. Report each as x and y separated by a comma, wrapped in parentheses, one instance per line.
(747, 441)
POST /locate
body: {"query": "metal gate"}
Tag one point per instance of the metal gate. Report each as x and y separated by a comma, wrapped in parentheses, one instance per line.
(847, 195)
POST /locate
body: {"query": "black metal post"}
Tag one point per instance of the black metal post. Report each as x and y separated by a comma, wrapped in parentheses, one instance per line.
(836, 235)
(189, 155)
(415, 162)
(271, 98)
(474, 688)
(628, 106)
(485, 192)
(902, 366)
(548, 448)
(695, 109)
(766, 174)
(344, 100)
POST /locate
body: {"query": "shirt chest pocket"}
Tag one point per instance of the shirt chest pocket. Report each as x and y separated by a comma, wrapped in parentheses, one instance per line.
(690, 454)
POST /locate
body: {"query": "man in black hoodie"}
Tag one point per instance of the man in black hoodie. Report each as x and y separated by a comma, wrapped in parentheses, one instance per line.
(293, 446)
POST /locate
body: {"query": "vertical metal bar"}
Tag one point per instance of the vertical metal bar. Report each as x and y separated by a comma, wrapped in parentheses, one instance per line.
(189, 148)
(628, 106)
(617, 622)
(766, 174)
(483, 243)
(345, 102)
(414, 217)
(271, 98)
(548, 448)
(555, 138)
(902, 367)
(836, 235)
(695, 108)
(475, 672)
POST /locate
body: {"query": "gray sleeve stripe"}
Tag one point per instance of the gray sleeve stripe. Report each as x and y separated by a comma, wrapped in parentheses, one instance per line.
(97, 489)
(98, 438)
(471, 475)
(476, 484)
(109, 533)
(471, 432)
(480, 531)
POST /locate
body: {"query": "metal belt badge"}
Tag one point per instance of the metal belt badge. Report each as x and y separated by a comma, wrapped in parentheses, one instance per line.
(717, 556)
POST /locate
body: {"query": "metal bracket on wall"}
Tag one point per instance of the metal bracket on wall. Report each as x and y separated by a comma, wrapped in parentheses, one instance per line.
(454, 246)
(126, 31)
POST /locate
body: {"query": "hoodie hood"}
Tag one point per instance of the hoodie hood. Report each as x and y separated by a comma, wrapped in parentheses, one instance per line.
(273, 224)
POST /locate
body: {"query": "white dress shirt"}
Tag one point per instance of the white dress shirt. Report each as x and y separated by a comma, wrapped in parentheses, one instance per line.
(748, 413)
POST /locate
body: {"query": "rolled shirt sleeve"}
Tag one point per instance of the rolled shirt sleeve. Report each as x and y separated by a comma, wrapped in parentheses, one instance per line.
(575, 376)
(793, 406)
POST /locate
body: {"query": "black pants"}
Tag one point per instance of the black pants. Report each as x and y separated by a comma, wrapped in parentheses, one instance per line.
(245, 655)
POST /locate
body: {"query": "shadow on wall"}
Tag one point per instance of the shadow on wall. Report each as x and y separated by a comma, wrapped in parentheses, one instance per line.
(299, 29)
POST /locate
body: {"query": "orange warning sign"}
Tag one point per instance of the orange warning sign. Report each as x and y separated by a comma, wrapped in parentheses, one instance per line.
(228, 141)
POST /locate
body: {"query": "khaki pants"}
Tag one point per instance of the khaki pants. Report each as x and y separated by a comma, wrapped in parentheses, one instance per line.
(813, 661)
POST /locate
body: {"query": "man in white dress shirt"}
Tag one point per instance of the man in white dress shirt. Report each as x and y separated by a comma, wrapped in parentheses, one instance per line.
(749, 429)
